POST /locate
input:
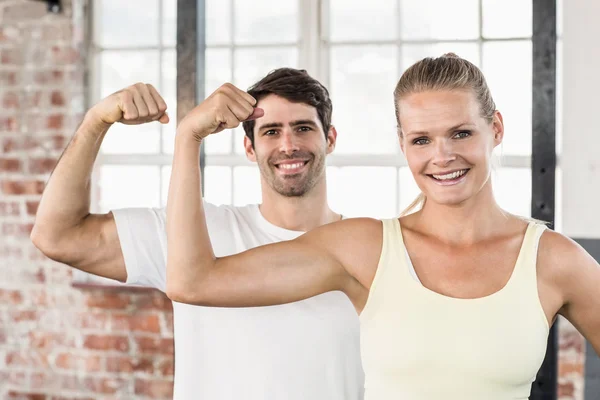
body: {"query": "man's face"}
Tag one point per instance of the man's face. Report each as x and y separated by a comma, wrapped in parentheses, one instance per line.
(290, 146)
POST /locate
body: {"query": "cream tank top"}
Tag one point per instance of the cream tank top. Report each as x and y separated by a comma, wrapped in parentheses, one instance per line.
(418, 344)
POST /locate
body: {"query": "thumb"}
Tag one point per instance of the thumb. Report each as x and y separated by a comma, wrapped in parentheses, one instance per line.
(164, 119)
(257, 113)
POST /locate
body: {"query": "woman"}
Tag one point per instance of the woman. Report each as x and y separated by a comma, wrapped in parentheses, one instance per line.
(455, 299)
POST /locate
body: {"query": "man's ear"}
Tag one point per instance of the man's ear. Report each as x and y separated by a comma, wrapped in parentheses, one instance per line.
(249, 148)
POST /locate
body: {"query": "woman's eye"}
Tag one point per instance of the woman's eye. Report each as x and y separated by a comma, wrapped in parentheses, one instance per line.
(463, 134)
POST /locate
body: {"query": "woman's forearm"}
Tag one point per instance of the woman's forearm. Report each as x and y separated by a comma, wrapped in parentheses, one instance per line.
(190, 255)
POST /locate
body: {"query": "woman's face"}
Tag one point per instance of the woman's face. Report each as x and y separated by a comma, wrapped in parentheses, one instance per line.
(448, 144)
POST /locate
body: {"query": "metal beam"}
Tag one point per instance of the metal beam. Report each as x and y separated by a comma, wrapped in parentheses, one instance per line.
(543, 160)
(191, 33)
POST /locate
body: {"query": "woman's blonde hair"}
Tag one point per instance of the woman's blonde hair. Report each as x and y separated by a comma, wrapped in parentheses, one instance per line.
(448, 72)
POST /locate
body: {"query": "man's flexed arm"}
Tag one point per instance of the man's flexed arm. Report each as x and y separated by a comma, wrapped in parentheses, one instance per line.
(64, 229)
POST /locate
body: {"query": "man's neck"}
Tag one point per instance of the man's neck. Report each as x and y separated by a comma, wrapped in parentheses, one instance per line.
(302, 213)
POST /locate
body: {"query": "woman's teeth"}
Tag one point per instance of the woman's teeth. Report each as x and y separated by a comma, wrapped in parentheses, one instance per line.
(452, 175)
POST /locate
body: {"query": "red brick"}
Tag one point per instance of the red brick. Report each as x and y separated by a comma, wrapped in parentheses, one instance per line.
(10, 165)
(50, 340)
(57, 98)
(137, 323)
(8, 78)
(51, 77)
(9, 209)
(154, 345)
(10, 252)
(108, 300)
(13, 395)
(10, 100)
(43, 143)
(16, 229)
(23, 187)
(130, 364)
(71, 398)
(16, 378)
(153, 300)
(32, 207)
(572, 340)
(8, 124)
(13, 297)
(88, 363)
(11, 56)
(93, 320)
(106, 342)
(566, 390)
(25, 315)
(155, 389)
(42, 165)
(166, 367)
(61, 55)
(55, 121)
(104, 385)
(35, 359)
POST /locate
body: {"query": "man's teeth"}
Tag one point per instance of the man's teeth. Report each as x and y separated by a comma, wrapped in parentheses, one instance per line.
(452, 175)
(291, 166)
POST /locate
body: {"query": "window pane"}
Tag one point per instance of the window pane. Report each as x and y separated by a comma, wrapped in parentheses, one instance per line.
(218, 22)
(362, 191)
(119, 69)
(121, 24)
(362, 81)
(168, 91)
(496, 14)
(132, 139)
(253, 64)
(129, 186)
(411, 53)
(218, 72)
(246, 186)
(407, 188)
(217, 185)
(266, 21)
(512, 189)
(169, 23)
(353, 20)
(507, 68)
(439, 19)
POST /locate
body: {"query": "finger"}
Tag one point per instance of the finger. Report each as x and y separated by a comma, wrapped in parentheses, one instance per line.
(243, 109)
(149, 101)
(162, 105)
(139, 103)
(130, 111)
(228, 120)
(240, 93)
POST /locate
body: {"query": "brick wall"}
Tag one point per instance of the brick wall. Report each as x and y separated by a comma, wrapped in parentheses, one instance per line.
(58, 341)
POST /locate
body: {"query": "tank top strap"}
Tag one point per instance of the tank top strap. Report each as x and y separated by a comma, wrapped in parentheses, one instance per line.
(392, 269)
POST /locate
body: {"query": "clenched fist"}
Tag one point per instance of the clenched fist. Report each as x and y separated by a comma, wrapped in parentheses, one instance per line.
(134, 105)
(225, 108)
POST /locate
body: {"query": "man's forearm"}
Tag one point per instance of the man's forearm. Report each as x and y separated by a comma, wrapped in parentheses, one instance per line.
(66, 198)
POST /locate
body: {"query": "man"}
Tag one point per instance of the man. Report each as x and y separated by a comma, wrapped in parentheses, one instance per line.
(303, 350)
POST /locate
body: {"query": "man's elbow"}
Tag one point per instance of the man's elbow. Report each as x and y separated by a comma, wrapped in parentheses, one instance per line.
(48, 243)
